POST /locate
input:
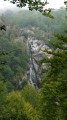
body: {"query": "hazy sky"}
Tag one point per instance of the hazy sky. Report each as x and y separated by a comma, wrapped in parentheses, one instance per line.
(53, 3)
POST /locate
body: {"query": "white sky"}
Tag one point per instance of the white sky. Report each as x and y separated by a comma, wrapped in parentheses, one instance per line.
(53, 4)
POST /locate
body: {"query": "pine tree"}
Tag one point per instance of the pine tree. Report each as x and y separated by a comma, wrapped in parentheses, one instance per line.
(54, 85)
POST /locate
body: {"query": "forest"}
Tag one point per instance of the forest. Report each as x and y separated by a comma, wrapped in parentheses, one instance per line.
(33, 65)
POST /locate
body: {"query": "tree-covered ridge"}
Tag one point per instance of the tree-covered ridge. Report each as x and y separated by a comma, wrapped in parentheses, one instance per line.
(13, 58)
(27, 18)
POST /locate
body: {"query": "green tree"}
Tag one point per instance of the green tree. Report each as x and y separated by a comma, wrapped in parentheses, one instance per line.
(54, 85)
(3, 92)
(32, 96)
(16, 108)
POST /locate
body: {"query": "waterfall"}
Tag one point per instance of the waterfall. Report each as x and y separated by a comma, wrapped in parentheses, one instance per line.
(34, 78)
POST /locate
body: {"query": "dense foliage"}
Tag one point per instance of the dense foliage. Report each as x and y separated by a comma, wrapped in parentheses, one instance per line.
(18, 100)
(54, 87)
(13, 58)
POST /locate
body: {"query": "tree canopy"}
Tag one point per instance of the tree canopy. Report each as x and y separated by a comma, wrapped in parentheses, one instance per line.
(38, 5)
(54, 87)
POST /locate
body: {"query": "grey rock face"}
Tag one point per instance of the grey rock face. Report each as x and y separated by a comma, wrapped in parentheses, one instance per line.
(36, 48)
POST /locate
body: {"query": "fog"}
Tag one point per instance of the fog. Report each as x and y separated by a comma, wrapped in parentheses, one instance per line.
(52, 4)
